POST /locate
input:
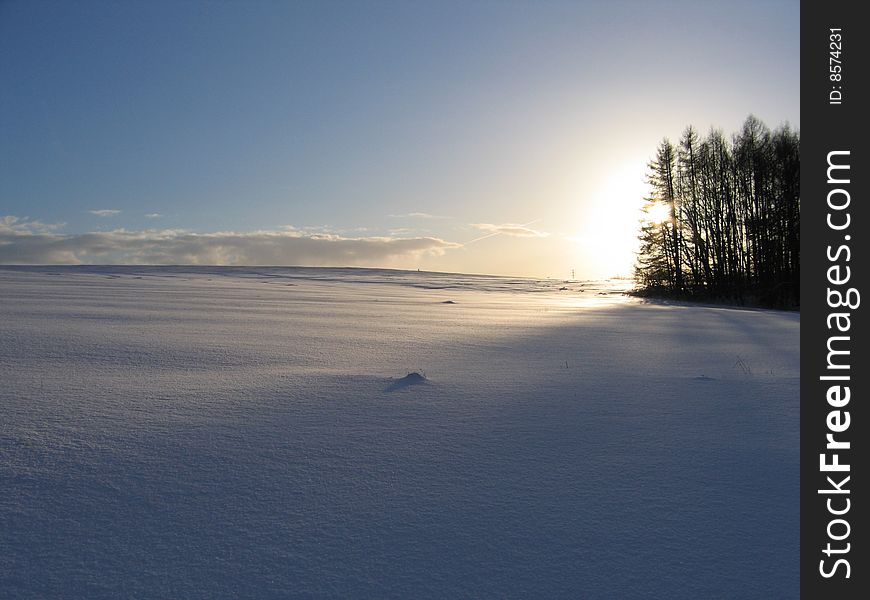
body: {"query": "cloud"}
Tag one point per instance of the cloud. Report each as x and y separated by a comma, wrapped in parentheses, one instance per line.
(512, 229)
(153, 216)
(105, 212)
(169, 246)
(10, 225)
(417, 215)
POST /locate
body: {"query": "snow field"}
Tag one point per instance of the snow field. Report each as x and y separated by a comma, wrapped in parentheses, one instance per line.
(205, 432)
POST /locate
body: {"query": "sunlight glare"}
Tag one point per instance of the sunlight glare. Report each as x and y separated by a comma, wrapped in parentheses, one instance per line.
(611, 222)
(657, 213)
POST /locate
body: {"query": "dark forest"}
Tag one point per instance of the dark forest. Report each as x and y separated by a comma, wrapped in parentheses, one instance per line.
(723, 218)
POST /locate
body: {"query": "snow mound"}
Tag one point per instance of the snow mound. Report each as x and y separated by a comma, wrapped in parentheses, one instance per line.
(408, 380)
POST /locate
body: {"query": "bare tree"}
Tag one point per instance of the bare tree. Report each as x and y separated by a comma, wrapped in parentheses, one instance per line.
(733, 227)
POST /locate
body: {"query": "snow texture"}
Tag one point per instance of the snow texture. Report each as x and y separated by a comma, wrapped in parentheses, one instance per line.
(196, 432)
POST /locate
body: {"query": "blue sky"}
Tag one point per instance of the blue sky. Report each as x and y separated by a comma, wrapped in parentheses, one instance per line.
(366, 133)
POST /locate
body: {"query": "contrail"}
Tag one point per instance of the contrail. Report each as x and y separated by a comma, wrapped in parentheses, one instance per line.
(489, 235)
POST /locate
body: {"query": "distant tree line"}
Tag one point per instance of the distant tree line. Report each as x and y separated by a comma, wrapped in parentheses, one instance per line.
(723, 219)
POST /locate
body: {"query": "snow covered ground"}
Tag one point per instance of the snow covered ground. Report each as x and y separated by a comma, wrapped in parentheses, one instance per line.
(226, 432)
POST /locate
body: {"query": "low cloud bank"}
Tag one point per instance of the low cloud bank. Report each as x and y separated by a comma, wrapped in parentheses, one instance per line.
(32, 242)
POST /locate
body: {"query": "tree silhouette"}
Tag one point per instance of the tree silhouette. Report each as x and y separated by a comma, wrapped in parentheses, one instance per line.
(733, 225)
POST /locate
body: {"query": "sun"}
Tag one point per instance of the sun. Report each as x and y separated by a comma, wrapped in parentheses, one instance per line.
(657, 213)
(610, 219)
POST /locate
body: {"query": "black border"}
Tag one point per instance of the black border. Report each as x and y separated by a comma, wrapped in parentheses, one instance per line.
(826, 127)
